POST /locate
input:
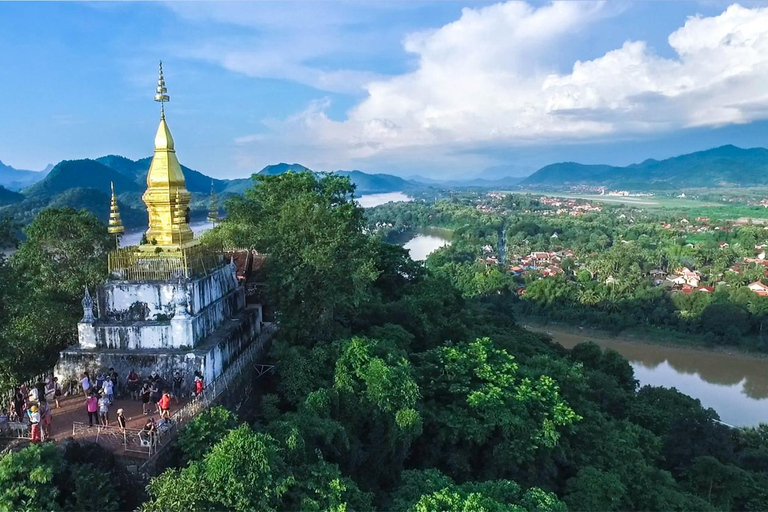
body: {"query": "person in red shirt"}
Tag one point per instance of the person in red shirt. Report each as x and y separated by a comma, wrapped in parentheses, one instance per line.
(165, 406)
(198, 385)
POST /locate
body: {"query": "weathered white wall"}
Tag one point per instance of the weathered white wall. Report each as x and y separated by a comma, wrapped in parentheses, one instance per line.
(210, 359)
(155, 300)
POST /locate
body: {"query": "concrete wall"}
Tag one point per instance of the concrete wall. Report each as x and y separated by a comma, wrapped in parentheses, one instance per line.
(160, 335)
(136, 316)
(211, 358)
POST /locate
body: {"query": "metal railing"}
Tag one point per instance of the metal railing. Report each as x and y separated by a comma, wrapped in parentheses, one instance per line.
(213, 390)
(141, 264)
(130, 439)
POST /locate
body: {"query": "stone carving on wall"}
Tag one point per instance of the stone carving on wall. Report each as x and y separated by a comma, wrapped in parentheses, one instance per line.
(87, 303)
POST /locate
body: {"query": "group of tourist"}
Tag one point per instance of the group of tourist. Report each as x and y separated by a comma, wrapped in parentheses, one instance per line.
(32, 408)
(152, 390)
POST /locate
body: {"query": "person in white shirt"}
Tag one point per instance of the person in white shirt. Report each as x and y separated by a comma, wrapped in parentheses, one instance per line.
(109, 390)
(86, 383)
(104, 410)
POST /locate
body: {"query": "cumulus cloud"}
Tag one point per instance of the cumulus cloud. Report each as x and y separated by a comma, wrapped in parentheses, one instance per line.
(489, 78)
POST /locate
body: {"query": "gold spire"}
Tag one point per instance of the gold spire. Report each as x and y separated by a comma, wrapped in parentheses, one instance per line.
(213, 207)
(115, 224)
(166, 193)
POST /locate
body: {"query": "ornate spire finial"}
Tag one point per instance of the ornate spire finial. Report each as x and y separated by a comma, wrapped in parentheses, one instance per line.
(87, 303)
(115, 226)
(161, 93)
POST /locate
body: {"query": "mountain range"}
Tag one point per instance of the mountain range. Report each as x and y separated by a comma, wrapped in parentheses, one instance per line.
(16, 179)
(724, 166)
(85, 183)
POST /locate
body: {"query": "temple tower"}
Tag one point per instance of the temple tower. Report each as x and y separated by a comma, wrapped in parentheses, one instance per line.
(170, 303)
(166, 189)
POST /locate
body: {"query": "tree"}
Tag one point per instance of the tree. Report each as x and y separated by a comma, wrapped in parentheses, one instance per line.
(27, 478)
(430, 490)
(477, 406)
(207, 429)
(65, 251)
(593, 489)
(319, 267)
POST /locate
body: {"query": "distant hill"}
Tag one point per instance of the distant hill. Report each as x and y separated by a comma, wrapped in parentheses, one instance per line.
(272, 170)
(717, 167)
(16, 179)
(70, 174)
(365, 183)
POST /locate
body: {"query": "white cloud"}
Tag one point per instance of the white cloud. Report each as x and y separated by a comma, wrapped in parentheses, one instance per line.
(490, 78)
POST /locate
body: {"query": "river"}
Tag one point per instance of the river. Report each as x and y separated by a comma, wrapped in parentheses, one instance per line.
(735, 385)
(425, 242)
(371, 200)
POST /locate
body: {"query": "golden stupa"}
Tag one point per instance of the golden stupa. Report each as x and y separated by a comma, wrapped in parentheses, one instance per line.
(166, 197)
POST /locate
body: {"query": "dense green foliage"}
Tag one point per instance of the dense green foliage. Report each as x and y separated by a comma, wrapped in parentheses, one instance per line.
(45, 477)
(65, 251)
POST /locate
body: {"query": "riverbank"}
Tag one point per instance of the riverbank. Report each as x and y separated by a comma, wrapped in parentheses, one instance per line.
(657, 337)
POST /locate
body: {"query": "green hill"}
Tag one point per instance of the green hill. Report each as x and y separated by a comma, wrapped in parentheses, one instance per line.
(272, 170)
(717, 167)
(9, 197)
(70, 174)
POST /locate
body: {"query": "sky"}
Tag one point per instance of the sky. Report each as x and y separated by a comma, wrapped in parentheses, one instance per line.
(438, 89)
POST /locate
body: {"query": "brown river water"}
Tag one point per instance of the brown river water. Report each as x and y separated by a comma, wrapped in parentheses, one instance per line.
(735, 385)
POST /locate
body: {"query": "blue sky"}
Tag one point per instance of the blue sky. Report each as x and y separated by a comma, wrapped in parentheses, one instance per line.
(430, 88)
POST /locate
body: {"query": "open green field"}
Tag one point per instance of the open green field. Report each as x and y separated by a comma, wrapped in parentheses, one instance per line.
(641, 202)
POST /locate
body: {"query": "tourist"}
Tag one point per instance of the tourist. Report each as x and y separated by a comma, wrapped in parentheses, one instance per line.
(145, 394)
(85, 382)
(121, 419)
(104, 408)
(92, 404)
(50, 390)
(178, 383)
(147, 433)
(18, 403)
(56, 391)
(165, 407)
(34, 422)
(133, 384)
(100, 382)
(4, 420)
(112, 376)
(33, 395)
(40, 386)
(198, 384)
(46, 418)
(155, 393)
(109, 391)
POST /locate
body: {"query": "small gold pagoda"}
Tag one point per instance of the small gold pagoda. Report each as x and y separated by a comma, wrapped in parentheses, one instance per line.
(115, 226)
(166, 197)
